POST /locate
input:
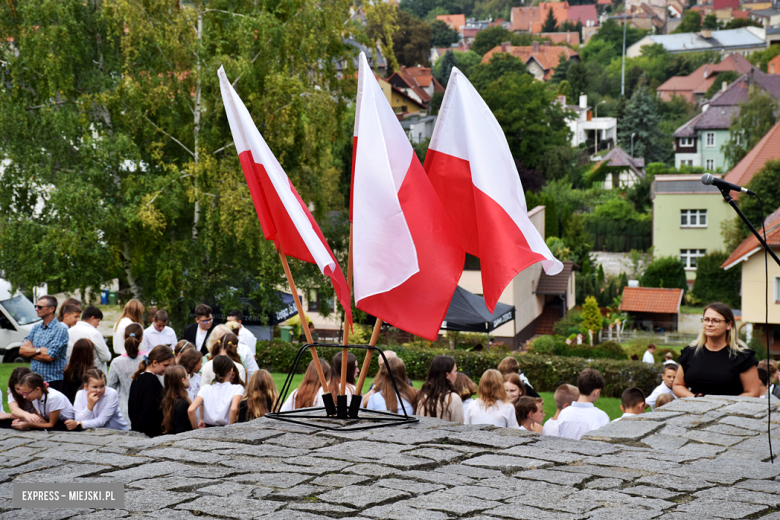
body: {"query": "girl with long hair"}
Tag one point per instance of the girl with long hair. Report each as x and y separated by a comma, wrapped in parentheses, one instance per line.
(81, 359)
(133, 312)
(228, 346)
(260, 396)
(51, 405)
(220, 399)
(717, 362)
(146, 391)
(96, 405)
(176, 401)
(491, 407)
(179, 349)
(334, 382)
(20, 407)
(120, 373)
(466, 389)
(436, 397)
(513, 387)
(384, 397)
(306, 394)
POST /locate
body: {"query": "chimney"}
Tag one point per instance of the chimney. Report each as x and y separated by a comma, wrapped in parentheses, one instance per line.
(706, 72)
(706, 33)
(546, 44)
(536, 47)
(562, 100)
(505, 46)
(583, 101)
(724, 86)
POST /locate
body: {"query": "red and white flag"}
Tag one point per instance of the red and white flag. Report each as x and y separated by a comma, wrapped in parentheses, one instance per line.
(283, 215)
(407, 257)
(474, 174)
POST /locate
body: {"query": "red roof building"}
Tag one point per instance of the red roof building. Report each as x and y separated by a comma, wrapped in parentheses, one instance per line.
(557, 38)
(652, 307)
(773, 67)
(531, 19)
(586, 14)
(541, 60)
(693, 86)
(766, 149)
(454, 21)
(417, 82)
(725, 4)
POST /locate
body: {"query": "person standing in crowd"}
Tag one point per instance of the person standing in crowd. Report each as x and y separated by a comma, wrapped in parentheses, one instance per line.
(669, 359)
(632, 403)
(530, 413)
(246, 353)
(244, 335)
(133, 312)
(564, 395)
(47, 343)
(509, 365)
(384, 397)
(583, 416)
(120, 377)
(220, 399)
(159, 333)
(647, 357)
(176, 401)
(96, 406)
(491, 407)
(771, 369)
(668, 376)
(81, 360)
(197, 333)
(70, 314)
(436, 397)
(146, 392)
(87, 329)
(259, 397)
(64, 308)
(306, 394)
(465, 388)
(227, 347)
(514, 388)
(717, 362)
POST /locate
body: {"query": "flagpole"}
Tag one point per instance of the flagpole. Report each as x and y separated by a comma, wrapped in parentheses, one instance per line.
(369, 352)
(304, 324)
(345, 351)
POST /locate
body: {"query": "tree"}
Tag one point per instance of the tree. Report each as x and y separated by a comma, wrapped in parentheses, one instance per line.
(495, 36)
(727, 77)
(713, 283)
(690, 23)
(710, 22)
(756, 117)
(592, 320)
(550, 218)
(564, 89)
(560, 72)
(612, 33)
(761, 59)
(412, 41)
(577, 76)
(737, 23)
(499, 65)
(442, 35)
(444, 67)
(667, 272)
(550, 23)
(766, 184)
(643, 120)
(465, 61)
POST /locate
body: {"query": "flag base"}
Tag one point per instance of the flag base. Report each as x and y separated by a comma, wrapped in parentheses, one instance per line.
(348, 417)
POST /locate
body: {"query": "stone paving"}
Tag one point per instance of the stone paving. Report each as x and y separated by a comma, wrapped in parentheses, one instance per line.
(695, 459)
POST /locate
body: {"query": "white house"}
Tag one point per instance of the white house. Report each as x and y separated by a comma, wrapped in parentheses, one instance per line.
(599, 133)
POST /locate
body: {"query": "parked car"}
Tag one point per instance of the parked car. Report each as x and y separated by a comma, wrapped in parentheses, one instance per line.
(17, 318)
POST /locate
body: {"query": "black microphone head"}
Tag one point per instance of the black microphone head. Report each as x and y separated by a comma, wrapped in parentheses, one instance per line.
(707, 179)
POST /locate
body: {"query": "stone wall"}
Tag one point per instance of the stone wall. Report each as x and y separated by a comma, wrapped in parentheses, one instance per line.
(695, 459)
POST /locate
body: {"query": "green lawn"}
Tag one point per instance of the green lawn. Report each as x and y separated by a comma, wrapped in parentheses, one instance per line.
(610, 405)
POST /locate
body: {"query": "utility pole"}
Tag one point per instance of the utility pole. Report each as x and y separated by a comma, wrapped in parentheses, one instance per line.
(623, 75)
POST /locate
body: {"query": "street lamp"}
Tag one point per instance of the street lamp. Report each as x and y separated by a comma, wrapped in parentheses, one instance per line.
(632, 144)
(597, 107)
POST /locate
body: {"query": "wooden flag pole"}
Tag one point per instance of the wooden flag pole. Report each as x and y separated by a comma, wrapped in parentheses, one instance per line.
(345, 351)
(369, 353)
(304, 322)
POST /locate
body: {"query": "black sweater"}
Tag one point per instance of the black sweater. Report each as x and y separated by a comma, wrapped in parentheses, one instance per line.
(143, 405)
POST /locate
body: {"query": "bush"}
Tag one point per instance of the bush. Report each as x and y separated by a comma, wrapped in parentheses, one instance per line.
(569, 324)
(543, 345)
(667, 272)
(546, 373)
(609, 350)
(713, 284)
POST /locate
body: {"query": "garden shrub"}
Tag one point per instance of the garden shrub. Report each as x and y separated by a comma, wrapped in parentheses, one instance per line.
(609, 350)
(546, 373)
(543, 345)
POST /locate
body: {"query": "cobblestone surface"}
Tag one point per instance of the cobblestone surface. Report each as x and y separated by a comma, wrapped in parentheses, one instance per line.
(702, 458)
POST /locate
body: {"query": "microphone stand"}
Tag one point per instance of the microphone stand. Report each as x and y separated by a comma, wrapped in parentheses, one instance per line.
(727, 197)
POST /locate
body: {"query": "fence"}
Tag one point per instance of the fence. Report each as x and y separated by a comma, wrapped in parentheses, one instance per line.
(659, 338)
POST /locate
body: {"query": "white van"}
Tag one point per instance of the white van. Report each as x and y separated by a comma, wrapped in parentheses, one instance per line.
(17, 318)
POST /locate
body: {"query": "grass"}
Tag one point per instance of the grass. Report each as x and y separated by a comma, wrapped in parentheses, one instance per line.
(610, 405)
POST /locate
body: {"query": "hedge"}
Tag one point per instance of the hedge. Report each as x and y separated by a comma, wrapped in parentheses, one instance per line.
(546, 373)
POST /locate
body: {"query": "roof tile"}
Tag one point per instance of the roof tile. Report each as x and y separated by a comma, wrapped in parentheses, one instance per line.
(650, 299)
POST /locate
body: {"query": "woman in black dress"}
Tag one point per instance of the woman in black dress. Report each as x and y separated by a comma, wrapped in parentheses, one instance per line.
(717, 363)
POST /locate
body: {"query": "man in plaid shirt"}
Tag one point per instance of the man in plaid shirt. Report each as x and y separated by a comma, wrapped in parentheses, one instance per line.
(47, 343)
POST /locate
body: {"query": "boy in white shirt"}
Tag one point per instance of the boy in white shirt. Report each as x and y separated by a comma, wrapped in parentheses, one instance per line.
(582, 416)
(159, 333)
(648, 355)
(668, 375)
(632, 403)
(564, 396)
(87, 329)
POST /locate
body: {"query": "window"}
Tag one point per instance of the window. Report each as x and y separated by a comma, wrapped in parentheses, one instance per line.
(472, 263)
(314, 300)
(689, 257)
(686, 142)
(686, 162)
(693, 218)
(710, 139)
(777, 294)
(709, 164)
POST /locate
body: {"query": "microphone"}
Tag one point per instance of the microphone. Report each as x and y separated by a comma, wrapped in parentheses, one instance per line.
(711, 180)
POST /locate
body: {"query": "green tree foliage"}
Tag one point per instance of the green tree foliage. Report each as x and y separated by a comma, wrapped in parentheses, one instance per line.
(442, 35)
(728, 76)
(412, 41)
(617, 226)
(713, 284)
(756, 117)
(592, 320)
(578, 78)
(737, 23)
(766, 184)
(667, 272)
(560, 72)
(710, 22)
(465, 61)
(761, 59)
(495, 36)
(690, 23)
(444, 66)
(578, 241)
(499, 65)
(611, 32)
(118, 148)
(550, 23)
(643, 120)
(422, 9)
(550, 218)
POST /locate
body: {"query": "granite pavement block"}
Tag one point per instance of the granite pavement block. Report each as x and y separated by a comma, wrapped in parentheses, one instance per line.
(403, 512)
(231, 507)
(720, 508)
(409, 486)
(448, 503)
(525, 512)
(145, 501)
(732, 494)
(555, 477)
(623, 431)
(507, 463)
(362, 496)
(533, 451)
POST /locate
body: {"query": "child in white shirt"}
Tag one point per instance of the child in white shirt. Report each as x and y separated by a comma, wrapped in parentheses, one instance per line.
(582, 416)
(491, 407)
(97, 406)
(632, 403)
(669, 373)
(159, 333)
(220, 399)
(530, 413)
(51, 405)
(564, 396)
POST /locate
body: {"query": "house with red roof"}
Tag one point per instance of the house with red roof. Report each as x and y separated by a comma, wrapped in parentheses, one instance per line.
(585, 14)
(416, 82)
(540, 58)
(693, 86)
(531, 19)
(773, 67)
(569, 38)
(652, 308)
(454, 21)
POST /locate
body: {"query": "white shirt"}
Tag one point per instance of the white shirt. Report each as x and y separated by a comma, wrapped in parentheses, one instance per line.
(200, 337)
(105, 413)
(658, 391)
(207, 373)
(194, 388)
(119, 335)
(648, 358)
(152, 338)
(578, 419)
(500, 414)
(289, 404)
(217, 399)
(377, 402)
(84, 330)
(248, 339)
(52, 402)
(466, 405)
(551, 428)
(10, 397)
(624, 416)
(350, 390)
(248, 359)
